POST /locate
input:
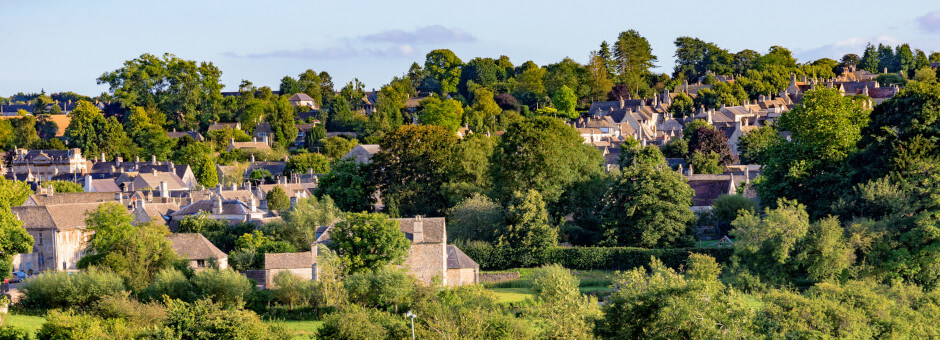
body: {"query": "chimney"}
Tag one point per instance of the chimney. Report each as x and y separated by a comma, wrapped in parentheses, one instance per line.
(217, 209)
(119, 197)
(265, 139)
(690, 170)
(747, 175)
(103, 159)
(417, 233)
(50, 190)
(141, 203)
(622, 104)
(118, 160)
(252, 158)
(88, 187)
(164, 189)
(248, 186)
(153, 159)
(252, 204)
(234, 187)
(314, 252)
(136, 159)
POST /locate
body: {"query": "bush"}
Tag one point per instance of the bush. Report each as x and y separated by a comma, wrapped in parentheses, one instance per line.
(63, 290)
(72, 325)
(204, 319)
(171, 283)
(226, 287)
(490, 257)
(356, 322)
(387, 287)
(293, 291)
(13, 333)
(122, 306)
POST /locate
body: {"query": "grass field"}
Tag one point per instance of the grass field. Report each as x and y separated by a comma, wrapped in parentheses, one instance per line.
(301, 329)
(28, 322)
(595, 282)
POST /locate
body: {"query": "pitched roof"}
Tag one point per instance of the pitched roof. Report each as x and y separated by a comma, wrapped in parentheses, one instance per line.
(263, 127)
(154, 212)
(300, 97)
(154, 178)
(105, 185)
(194, 246)
(229, 207)
(708, 187)
(456, 259)
(194, 134)
(59, 217)
(433, 227)
(289, 260)
(70, 198)
(222, 126)
(249, 145)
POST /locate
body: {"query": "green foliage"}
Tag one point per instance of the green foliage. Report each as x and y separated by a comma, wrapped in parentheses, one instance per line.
(560, 309)
(768, 245)
(826, 251)
(206, 174)
(14, 239)
(705, 163)
(301, 222)
(413, 165)
(633, 58)
(14, 333)
(219, 232)
(135, 253)
(471, 168)
(727, 207)
(146, 130)
(281, 119)
(490, 257)
(476, 218)
(72, 325)
(171, 283)
(663, 304)
(337, 146)
(277, 199)
(443, 67)
(90, 131)
(565, 101)
(369, 241)
(753, 144)
(64, 186)
(302, 163)
(528, 232)
(353, 322)
(385, 288)
(205, 319)
(632, 154)
(682, 105)
(710, 140)
(446, 113)
(466, 312)
(527, 158)
(293, 291)
(53, 289)
(225, 287)
(647, 207)
(348, 184)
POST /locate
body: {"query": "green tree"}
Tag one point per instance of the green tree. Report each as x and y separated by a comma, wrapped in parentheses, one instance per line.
(482, 115)
(302, 163)
(826, 252)
(681, 106)
(706, 141)
(702, 163)
(565, 100)
(869, 60)
(337, 146)
(281, 119)
(367, 241)
(312, 140)
(64, 186)
(647, 207)
(727, 207)
(471, 167)
(528, 233)
(543, 154)
(634, 57)
(413, 165)
(348, 183)
(206, 173)
(444, 67)
(15, 239)
(768, 245)
(135, 253)
(676, 148)
(148, 133)
(446, 113)
(476, 218)
(566, 313)
(386, 287)
(301, 222)
(754, 143)
(599, 82)
(277, 199)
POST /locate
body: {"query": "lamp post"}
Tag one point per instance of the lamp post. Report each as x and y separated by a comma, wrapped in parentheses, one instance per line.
(411, 316)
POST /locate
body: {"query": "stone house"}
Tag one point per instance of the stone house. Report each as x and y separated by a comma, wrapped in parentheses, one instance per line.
(302, 264)
(302, 99)
(59, 236)
(45, 164)
(198, 250)
(363, 153)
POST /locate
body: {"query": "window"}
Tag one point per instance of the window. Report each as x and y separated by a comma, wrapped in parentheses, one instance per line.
(40, 238)
(200, 263)
(41, 260)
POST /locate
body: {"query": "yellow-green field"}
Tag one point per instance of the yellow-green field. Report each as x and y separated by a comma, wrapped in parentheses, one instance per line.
(27, 322)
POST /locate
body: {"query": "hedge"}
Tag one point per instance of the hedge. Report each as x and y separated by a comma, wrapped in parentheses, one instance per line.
(490, 257)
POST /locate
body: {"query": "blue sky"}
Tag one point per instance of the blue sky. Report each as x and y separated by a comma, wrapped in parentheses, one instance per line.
(65, 45)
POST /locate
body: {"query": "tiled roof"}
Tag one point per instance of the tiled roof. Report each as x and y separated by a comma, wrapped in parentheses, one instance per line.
(708, 187)
(105, 185)
(194, 134)
(59, 217)
(263, 127)
(434, 229)
(71, 198)
(229, 207)
(152, 180)
(250, 145)
(456, 259)
(300, 97)
(194, 246)
(222, 126)
(289, 260)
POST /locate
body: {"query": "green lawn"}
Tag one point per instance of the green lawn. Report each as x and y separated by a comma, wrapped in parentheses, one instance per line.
(28, 322)
(596, 282)
(301, 329)
(511, 295)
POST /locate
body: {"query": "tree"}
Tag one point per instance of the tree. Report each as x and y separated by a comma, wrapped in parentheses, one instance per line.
(413, 165)
(290, 86)
(338, 146)
(446, 113)
(869, 60)
(281, 119)
(368, 241)
(634, 57)
(277, 199)
(13, 193)
(705, 163)
(476, 218)
(706, 141)
(727, 207)
(482, 115)
(826, 252)
(301, 222)
(528, 234)
(754, 143)
(348, 184)
(302, 163)
(225, 287)
(206, 173)
(189, 91)
(386, 287)
(471, 168)
(64, 186)
(146, 130)
(529, 156)
(558, 302)
(565, 101)
(598, 75)
(313, 137)
(682, 105)
(676, 148)
(444, 67)
(13, 237)
(768, 246)
(824, 127)
(647, 207)
(135, 253)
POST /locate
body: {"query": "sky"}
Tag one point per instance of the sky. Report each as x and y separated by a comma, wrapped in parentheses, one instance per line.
(65, 45)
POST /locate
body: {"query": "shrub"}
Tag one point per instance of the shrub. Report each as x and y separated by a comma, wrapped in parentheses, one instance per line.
(226, 287)
(387, 287)
(171, 283)
(292, 290)
(73, 325)
(63, 290)
(13, 333)
(204, 319)
(122, 306)
(490, 257)
(356, 322)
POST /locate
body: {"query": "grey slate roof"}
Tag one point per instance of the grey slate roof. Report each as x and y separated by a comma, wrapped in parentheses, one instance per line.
(229, 207)
(194, 246)
(456, 259)
(434, 229)
(289, 260)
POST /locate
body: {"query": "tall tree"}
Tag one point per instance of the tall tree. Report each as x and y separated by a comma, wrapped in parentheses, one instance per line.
(565, 101)
(444, 67)
(412, 167)
(528, 234)
(634, 58)
(647, 206)
(598, 75)
(869, 60)
(367, 241)
(446, 113)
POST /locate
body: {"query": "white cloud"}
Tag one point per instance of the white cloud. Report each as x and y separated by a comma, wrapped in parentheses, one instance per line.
(839, 48)
(434, 34)
(930, 22)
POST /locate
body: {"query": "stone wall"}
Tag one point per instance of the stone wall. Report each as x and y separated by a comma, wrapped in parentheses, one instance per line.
(427, 260)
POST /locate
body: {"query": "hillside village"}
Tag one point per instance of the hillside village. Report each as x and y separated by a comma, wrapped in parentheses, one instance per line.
(773, 197)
